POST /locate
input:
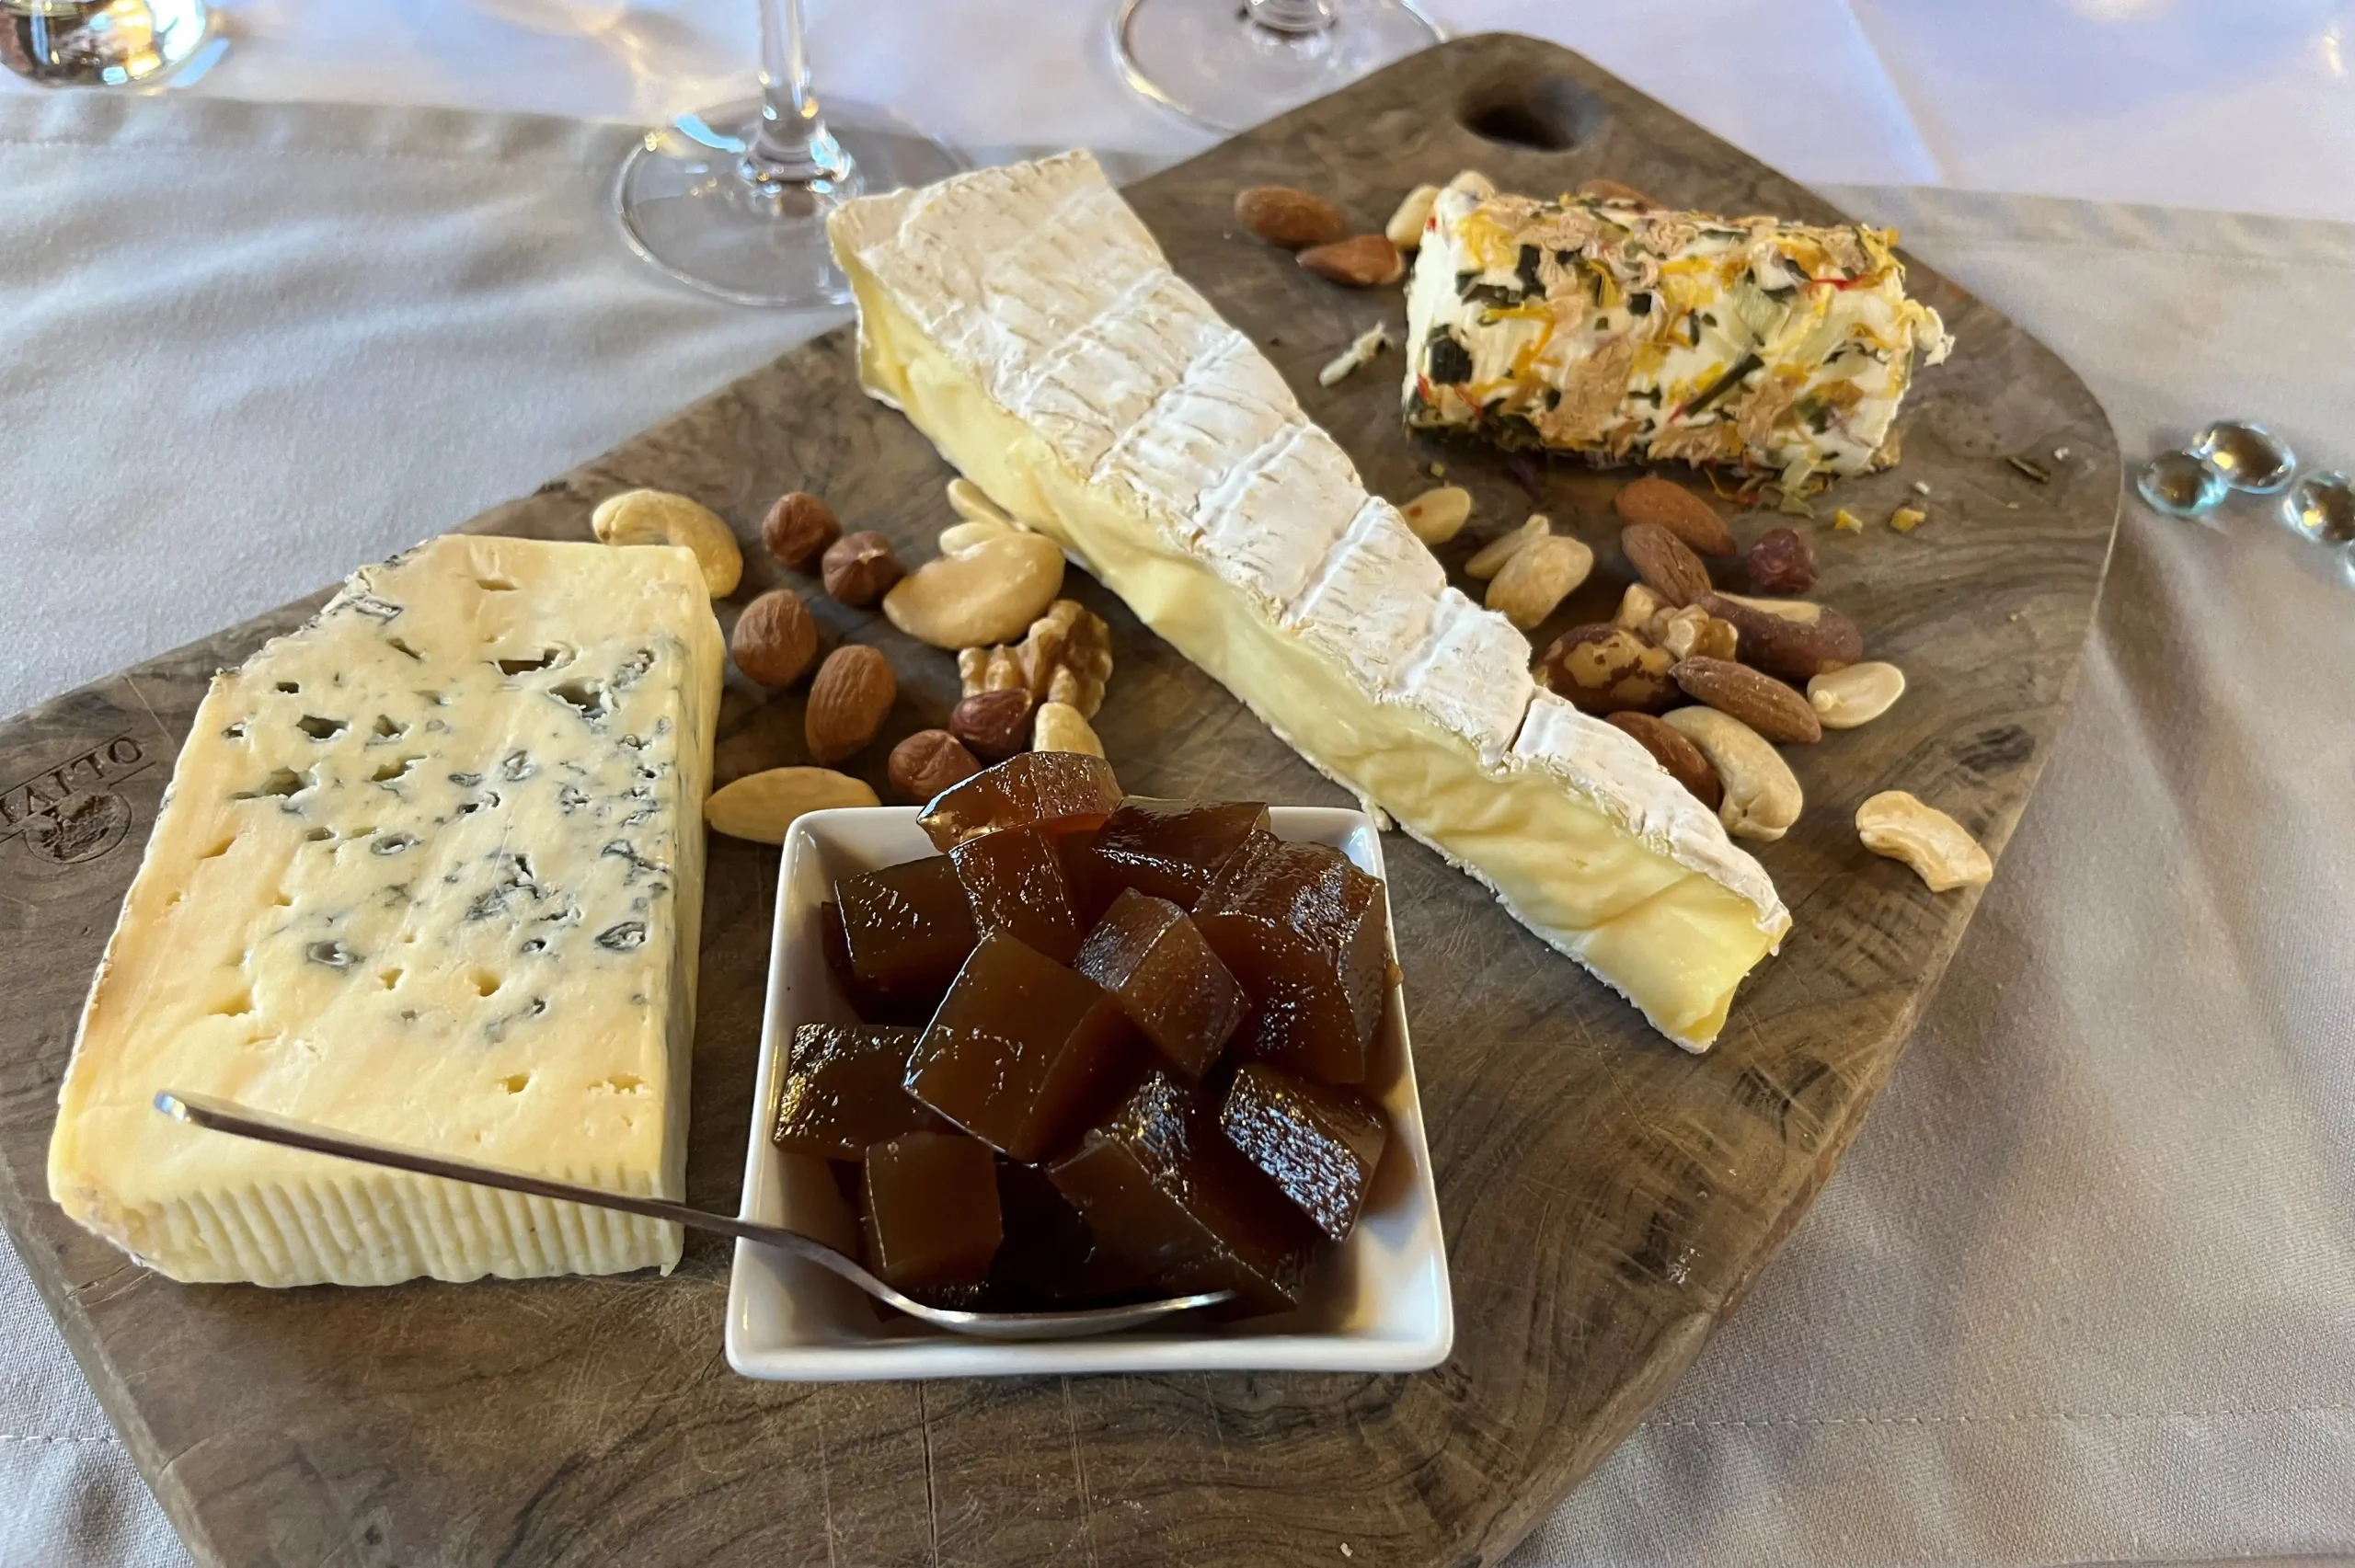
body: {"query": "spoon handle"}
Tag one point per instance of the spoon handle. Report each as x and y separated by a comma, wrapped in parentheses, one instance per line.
(227, 1116)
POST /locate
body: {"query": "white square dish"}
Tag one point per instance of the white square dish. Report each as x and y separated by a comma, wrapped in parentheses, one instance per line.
(1379, 1303)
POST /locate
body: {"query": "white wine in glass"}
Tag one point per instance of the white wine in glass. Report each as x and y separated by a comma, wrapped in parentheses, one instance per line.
(734, 199)
(1231, 64)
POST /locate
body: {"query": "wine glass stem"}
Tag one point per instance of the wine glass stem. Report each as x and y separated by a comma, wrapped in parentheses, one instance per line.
(1295, 18)
(791, 144)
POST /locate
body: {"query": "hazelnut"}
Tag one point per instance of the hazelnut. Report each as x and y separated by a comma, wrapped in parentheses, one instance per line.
(775, 638)
(929, 761)
(797, 527)
(1782, 562)
(995, 724)
(859, 568)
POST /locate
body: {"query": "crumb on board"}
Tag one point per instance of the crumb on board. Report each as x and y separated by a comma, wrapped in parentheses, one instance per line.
(2060, 454)
(1438, 470)
(1906, 520)
(1921, 487)
(1361, 349)
(1847, 521)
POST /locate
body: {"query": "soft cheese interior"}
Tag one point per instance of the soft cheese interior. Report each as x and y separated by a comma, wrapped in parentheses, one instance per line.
(429, 870)
(1028, 324)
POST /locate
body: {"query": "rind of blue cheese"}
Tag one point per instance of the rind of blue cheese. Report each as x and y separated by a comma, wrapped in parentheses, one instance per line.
(1027, 324)
(429, 870)
(1627, 331)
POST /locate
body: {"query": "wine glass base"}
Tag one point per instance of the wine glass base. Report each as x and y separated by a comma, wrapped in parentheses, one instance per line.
(1209, 61)
(688, 206)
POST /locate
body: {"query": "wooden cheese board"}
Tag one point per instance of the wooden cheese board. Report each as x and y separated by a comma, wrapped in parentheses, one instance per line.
(1607, 1198)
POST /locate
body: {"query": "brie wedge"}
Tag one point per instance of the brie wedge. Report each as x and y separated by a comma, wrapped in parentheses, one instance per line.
(429, 871)
(1027, 324)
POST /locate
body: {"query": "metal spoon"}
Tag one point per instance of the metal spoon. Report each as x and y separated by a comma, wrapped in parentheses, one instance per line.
(227, 1116)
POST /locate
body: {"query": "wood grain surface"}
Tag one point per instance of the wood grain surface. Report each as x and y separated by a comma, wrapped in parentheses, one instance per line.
(1607, 1198)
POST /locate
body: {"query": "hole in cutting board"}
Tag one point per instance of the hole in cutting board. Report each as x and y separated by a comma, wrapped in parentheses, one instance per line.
(1550, 114)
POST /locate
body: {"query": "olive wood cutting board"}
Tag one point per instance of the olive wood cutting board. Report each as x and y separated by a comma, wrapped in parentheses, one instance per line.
(1607, 1198)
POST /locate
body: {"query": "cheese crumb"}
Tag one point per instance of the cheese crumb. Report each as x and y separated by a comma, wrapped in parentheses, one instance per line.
(1921, 487)
(1847, 521)
(1906, 520)
(1367, 344)
(1438, 470)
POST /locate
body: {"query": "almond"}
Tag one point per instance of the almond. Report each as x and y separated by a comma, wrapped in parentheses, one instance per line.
(1438, 516)
(1405, 227)
(1364, 261)
(1667, 565)
(1672, 751)
(1290, 218)
(1676, 508)
(848, 702)
(1763, 703)
(761, 806)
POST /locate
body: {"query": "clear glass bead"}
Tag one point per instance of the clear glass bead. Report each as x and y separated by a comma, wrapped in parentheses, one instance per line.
(2321, 506)
(2180, 484)
(2250, 457)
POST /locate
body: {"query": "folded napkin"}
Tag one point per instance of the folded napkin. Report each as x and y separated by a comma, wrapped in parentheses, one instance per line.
(2085, 1290)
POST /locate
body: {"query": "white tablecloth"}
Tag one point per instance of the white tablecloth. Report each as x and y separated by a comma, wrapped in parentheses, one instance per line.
(2085, 1290)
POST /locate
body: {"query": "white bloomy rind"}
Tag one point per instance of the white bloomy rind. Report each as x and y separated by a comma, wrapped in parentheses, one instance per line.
(429, 871)
(1029, 325)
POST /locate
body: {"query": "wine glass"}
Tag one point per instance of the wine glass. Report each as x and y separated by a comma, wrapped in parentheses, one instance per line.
(1230, 67)
(734, 199)
(103, 43)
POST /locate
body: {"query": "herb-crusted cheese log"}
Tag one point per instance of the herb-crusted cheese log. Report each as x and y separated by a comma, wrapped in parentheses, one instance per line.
(429, 871)
(1028, 324)
(1631, 332)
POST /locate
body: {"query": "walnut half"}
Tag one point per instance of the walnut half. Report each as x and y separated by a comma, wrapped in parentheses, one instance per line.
(1065, 657)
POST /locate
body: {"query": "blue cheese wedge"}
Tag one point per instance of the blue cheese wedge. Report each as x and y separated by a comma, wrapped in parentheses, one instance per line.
(1625, 331)
(429, 870)
(1028, 324)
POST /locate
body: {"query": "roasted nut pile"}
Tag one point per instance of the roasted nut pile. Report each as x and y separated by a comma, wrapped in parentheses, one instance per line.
(1033, 667)
(1710, 681)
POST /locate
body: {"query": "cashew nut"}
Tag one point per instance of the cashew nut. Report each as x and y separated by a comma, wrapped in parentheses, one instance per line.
(988, 593)
(1639, 607)
(761, 806)
(1693, 631)
(1438, 516)
(1404, 228)
(1762, 798)
(965, 535)
(1942, 855)
(1855, 693)
(657, 517)
(973, 503)
(1537, 577)
(1492, 557)
(1060, 727)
